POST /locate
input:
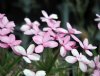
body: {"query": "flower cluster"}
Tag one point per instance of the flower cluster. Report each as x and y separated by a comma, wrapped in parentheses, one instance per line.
(6, 28)
(49, 37)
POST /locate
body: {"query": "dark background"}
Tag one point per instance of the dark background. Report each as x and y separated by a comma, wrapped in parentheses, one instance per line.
(80, 13)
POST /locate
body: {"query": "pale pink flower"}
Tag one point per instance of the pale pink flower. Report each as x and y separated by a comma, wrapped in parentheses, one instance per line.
(55, 26)
(28, 55)
(44, 41)
(73, 31)
(9, 41)
(95, 63)
(87, 47)
(96, 73)
(47, 18)
(83, 61)
(5, 26)
(30, 28)
(28, 72)
(66, 45)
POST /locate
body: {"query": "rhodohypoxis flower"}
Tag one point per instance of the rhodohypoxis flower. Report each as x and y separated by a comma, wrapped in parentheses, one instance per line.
(95, 63)
(87, 47)
(55, 26)
(9, 41)
(30, 28)
(73, 31)
(96, 73)
(83, 61)
(5, 26)
(98, 19)
(47, 18)
(66, 45)
(28, 72)
(1, 15)
(44, 41)
(28, 55)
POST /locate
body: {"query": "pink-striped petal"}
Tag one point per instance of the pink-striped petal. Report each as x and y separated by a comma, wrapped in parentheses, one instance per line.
(35, 57)
(88, 52)
(83, 66)
(27, 59)
(75, 52)
(50, 44)
(20, 50)
(71, 59)
(31, 49)
(44, 14)
(62, 51)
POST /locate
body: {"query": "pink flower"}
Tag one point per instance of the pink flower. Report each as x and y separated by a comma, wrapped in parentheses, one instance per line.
(95, 63)
(96, 73)
(1, 15)
(73, 31)
(83, 61)
(44, 41)
(28, 55)
(66, 45)
(47, 18)
(5, 26)
(30, 28)
(28, 72)
(86, 46)
(9, 41)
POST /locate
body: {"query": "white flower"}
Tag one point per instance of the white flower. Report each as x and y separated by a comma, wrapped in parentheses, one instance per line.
(83, 61)
(28, 72)
(28, 55)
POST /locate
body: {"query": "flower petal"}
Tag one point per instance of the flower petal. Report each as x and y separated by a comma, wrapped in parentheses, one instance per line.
(62, 51)
(83, 66)
(74, 52)
(29, 32)
(30, 49)
(27, 59)
(37, 39)
(28, 21)
(50, 44)
(53, 16)
(88, 52)
(25, 28)
(85, 42)
(34, 57)
(39, 49)
(61, 30)
(40, 73)
(28, 72)
(20, 50)
(71, 59)
(75, 38)
(92, 64)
